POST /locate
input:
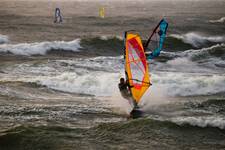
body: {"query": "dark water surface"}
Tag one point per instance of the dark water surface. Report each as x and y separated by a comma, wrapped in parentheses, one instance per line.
(58, 82)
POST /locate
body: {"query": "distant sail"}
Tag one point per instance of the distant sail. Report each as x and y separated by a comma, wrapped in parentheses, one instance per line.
(58, 16)
(102, 12)
(136, 67)
(156, 40)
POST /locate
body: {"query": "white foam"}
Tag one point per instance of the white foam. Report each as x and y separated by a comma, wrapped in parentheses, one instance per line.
(201, 121)
(206, 54)
(40, 48)
(94, 83)
(107, 37)
(221, 20)
(198, 40)
(96, 76)
(202, 50)
(187, 84)
(4, 39)
(181, 62)
(111, 64)
(195, 60)
(99, 76)
(100, 83)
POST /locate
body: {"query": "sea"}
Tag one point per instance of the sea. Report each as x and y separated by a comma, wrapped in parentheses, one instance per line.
(59, 81)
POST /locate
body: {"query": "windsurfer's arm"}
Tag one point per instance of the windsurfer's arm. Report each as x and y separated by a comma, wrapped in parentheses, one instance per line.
(129, 86)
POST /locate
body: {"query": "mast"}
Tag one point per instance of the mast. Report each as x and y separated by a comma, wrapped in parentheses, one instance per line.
(149, 39)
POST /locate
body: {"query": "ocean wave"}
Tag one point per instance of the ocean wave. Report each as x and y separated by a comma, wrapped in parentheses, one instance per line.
(92, 83)
(195, 60)
(216, 105)
(188, 84)
(202, 121)
(4, 39)
(176, 44)
(221, 20)
(215, 50)
(99, 76)
(192, 72)
(108, 37)
(100, 83)
(100, 63)
(97, 46)
(93, 76)
(33, 137)
(119, 135)
(198, 40)
(41, 48)
(211, 55)
(204, 60)
(103, 45)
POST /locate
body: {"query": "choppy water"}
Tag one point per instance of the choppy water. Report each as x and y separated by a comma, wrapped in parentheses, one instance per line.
(58, 82)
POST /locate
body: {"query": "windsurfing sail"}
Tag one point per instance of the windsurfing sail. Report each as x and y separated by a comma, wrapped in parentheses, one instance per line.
(102, 12)
(136, 67)
(156, 40)
(58, 16)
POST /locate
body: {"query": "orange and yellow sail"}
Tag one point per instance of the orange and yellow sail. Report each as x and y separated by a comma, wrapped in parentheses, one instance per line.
(136, 67)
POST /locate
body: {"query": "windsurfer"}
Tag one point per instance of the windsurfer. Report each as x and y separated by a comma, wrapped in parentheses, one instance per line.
(58, 17)
(125, 90)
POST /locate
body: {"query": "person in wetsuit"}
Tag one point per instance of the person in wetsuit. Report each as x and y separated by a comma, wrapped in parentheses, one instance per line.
(125, 90)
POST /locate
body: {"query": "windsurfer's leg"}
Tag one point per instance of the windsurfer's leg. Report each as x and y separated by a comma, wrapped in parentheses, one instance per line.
(134, 103)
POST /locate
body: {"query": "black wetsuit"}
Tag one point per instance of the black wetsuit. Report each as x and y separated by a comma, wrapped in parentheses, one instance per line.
(126, 92)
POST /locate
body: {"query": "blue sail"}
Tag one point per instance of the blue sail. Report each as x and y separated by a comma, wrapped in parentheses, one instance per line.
(157, 38)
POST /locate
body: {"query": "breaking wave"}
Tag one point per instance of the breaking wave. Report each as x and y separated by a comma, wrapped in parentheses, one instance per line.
(188, 84)
(92, 83)
(192, 72)
(41, 48)
(105, 84)
(217, 50)
(100, 83)
(181, 77)
(221, 20)
(202, 121)
(195, 60)
(198, 40)
(103, 45)
(4, 39)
